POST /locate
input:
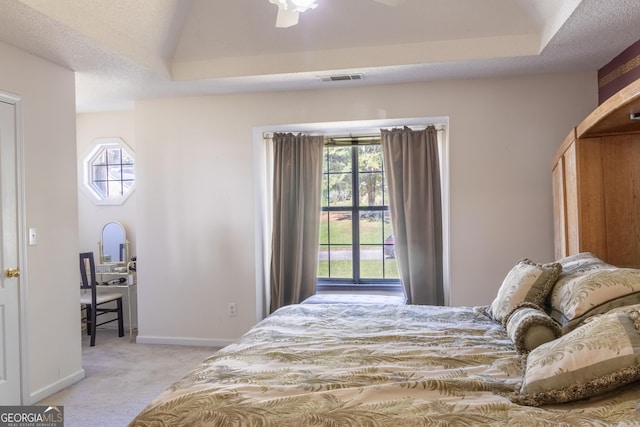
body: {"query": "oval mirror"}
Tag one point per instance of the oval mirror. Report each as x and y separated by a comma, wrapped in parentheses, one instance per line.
(114, 243)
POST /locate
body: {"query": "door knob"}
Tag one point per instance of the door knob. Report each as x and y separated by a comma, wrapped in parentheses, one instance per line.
(13, 272)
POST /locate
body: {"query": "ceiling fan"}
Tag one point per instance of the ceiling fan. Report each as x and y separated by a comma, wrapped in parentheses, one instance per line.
(289, 10)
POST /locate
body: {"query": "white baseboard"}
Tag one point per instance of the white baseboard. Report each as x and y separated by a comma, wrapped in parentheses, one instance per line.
(47, 391)
(201, 342)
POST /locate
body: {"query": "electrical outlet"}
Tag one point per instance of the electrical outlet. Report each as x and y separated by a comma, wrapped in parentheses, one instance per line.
(232, 309)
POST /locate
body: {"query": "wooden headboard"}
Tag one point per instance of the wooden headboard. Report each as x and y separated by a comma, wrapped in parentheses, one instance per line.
(596, 183)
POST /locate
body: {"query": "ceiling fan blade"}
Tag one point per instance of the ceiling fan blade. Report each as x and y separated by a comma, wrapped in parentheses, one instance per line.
(286, 18)
(390, 2)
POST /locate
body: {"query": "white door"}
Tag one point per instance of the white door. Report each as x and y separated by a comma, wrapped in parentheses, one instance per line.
(9, 280)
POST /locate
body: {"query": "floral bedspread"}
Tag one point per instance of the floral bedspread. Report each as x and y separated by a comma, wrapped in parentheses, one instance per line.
(371, 365)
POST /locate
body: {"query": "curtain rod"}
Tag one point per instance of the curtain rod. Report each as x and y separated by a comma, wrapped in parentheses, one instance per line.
(268, 135)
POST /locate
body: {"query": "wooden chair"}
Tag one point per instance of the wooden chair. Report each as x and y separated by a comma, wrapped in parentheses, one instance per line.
(93, 301)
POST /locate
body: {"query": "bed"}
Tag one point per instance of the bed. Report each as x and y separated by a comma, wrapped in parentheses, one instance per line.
(559, 345)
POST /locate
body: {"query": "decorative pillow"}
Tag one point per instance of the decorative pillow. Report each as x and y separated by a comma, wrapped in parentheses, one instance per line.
(593, 359)
(622, 309)
(529, 327)
(572, 267)
(593, 292)
(526, 282)
(580, 263)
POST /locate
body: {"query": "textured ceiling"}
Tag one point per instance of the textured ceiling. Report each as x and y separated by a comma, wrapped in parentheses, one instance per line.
(123, 50)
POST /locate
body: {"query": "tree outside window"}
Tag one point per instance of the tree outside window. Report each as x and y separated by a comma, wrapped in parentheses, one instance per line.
(109, 171)
(356, 238)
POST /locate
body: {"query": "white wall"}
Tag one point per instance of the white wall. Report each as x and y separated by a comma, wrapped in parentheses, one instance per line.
(50, 283)
(195, 188)
(93, 217)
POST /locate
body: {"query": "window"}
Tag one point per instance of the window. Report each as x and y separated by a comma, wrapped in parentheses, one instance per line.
(356, 237)
(109, 171)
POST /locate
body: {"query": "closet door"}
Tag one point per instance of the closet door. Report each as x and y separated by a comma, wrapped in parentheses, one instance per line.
(10, 387)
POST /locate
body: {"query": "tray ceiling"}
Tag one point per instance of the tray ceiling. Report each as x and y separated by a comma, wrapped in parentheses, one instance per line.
(125, 50)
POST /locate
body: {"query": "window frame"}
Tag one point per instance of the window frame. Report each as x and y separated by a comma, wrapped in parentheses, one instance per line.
(356, 282)
(87, 183)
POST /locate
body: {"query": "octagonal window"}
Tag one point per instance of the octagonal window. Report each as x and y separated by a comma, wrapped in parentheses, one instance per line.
(109, 171)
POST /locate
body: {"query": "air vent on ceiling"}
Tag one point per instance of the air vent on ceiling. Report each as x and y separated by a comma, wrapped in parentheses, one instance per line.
(342, 77)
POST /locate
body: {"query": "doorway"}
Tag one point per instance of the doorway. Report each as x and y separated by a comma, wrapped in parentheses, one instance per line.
(11, 368)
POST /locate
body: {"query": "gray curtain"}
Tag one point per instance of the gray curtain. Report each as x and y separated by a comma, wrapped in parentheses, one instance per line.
(412, 170)
(297, 183)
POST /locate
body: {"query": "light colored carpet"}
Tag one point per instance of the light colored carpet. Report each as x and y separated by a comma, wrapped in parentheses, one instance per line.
(122, 378)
